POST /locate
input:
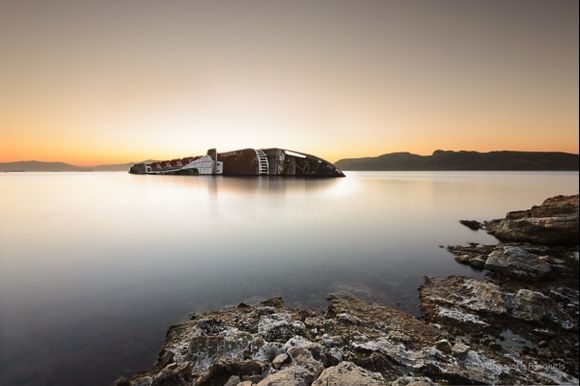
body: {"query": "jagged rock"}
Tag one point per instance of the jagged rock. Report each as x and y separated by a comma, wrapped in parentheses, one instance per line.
(332, 341)
(530, 305)
(444, 345)
(301, 373)
(280, 360)
(221, 371)
(474, 255)
(516, 261)
(303, 358)
(279, 327)
(347, 318)
(460, 349)
(413, 381)
(553, 222)
(203, 351)
(234, 380)
(347, 374)
(246, 342)
(173, 375)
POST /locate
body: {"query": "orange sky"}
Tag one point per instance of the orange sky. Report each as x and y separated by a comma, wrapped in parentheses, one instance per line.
(109, 81)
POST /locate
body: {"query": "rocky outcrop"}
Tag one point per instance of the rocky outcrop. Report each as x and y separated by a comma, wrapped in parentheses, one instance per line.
(528, 301)
(517, 261)
(355, 342)
(555, 222)
(516, 325)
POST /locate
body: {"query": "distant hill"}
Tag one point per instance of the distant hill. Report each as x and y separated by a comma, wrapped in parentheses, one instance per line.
(464, 160)
(40, 166)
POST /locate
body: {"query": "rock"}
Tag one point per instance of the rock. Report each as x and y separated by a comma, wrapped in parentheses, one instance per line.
(333, 356)
(460, 349)
(205, 350)
(517, 262)
(474, 255)
(553, 222)
(210, 325)
(234, 380)
(347, 318)
(471, 224)
(176, 375)
(279, 327)
(477, 263)
(413, 381)
(444, 346)
(292, 376)
(530, 305)
(280, 360)
(332, 341)
(303, 358)
(269, 344)
(246, 383)
(347, 374)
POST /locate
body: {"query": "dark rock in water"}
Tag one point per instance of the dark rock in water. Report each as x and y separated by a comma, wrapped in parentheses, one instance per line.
(474, 255)
(518, 262)
(555, 222)
(472, 224)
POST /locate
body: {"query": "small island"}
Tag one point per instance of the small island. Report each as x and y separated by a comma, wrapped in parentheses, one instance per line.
(516, 325)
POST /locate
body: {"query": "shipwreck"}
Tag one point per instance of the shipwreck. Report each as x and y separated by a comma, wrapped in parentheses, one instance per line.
(244, 162)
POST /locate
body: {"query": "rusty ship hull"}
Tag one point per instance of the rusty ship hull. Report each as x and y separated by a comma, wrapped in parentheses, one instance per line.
(244, 162)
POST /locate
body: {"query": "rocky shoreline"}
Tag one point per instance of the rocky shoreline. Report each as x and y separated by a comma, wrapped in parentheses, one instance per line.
(516, 325)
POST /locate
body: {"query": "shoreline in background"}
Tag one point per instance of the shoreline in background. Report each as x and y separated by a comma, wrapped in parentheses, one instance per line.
(403, 161)
(464, 161)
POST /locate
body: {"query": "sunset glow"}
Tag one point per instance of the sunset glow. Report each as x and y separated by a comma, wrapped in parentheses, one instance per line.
(106, 82)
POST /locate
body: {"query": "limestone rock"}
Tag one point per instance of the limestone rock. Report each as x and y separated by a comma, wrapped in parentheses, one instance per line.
(460, 349)
(516, 261)
(280, 360)
(347, 374)
(444, 346)
(553, 222)
(413, 381)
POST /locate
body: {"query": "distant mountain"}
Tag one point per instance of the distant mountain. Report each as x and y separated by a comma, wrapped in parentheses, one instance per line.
(464, 160)
(40, 166)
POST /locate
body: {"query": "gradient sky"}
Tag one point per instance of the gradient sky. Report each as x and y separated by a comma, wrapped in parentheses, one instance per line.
(91, 82)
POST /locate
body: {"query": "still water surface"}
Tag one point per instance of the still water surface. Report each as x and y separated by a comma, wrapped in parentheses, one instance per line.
(95, 266)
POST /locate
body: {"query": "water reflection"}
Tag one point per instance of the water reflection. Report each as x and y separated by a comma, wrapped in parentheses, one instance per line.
(95, 266)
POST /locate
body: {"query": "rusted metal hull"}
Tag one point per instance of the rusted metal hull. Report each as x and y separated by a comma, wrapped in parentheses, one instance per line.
(245, 162)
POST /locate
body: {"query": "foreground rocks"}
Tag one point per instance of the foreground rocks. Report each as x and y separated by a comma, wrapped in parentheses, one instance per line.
(517, 325)
(352, 343)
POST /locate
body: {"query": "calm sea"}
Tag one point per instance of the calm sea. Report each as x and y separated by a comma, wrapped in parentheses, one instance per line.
(95, 266)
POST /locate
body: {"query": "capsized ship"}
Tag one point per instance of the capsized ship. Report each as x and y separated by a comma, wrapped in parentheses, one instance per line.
(244, 162)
